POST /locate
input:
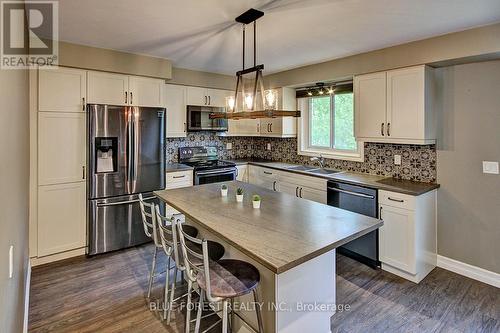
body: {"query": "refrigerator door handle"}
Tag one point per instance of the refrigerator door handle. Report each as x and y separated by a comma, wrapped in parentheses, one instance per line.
(136, 142)
(129, 148)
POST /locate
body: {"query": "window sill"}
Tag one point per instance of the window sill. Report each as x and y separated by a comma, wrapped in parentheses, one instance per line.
(336, 155)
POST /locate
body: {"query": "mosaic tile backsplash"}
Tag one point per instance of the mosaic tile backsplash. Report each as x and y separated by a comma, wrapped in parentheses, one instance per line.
(418, 162)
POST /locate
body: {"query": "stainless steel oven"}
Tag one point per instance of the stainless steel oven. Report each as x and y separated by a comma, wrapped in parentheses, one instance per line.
(215, 175)
(198, 118)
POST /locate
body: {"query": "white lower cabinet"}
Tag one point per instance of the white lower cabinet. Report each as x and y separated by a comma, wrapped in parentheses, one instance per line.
(407, 240)
(61, 218)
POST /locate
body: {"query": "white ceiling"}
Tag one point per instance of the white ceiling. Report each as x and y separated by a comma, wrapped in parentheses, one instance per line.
(202, 34)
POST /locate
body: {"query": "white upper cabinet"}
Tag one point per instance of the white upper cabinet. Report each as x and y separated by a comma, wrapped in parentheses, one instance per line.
(370, 105)
(118, 89)
(207, 97)
(108, 88)
(146, 91)
(196, 96)
(395, 106)
(283, 127)
(175, 103)
(61, 90)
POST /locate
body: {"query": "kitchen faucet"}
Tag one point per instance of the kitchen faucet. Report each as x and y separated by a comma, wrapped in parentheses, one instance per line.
(320, 159)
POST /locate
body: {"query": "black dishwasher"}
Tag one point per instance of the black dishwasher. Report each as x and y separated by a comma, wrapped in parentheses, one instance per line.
(362, 200)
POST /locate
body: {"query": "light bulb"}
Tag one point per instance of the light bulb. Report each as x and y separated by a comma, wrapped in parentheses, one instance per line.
(330, 90)
(321, 92)
(309, 93)
(270, 99)
(230, 101)
(249, 101)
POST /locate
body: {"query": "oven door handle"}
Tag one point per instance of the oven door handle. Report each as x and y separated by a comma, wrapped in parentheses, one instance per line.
(356, 194)
(217, 171)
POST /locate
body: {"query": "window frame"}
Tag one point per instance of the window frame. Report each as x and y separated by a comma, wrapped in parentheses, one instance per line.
(304, 135)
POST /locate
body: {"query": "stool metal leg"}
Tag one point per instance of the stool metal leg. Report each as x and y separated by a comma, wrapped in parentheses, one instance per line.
(151, 274)
(257, 310)
(225, 305)
(165, 296)
(172, 293)
(200, 311)
(188, 307)
(231, 322)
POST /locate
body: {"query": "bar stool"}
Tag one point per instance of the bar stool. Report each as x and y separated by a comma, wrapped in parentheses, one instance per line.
(170, 244)
(221, 280)
(150, 231)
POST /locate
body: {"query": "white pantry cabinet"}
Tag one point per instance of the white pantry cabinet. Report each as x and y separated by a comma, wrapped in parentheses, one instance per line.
(61, 218)
(62, 90)
(207, 96)
(175, 103)
(61, 147)
(395, 106)
(407, 240)
(119, 89)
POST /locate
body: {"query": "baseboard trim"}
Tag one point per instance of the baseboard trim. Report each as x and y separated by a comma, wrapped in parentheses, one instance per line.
(37, 261)
(473, 272)
(27, 298)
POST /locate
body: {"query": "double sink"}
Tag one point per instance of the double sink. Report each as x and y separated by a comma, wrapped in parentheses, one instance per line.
(308, 169)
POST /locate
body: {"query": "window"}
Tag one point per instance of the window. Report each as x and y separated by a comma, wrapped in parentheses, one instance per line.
(327, 127)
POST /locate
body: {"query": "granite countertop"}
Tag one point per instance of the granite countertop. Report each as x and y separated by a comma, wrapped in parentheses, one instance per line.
(284, 233)
(173, 167)
(379, 182)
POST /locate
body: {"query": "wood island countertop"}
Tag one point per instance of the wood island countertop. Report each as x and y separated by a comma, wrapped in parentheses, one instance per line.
(285, 232)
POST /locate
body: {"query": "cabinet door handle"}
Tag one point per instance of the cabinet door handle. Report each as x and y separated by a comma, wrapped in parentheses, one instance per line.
(300, 192)
(397, 200)
(258, 128)
(126, 99)
(382, 129)
(83, 171)
(388, 129)
(296, 191)
(268, 173)
(271, 127)
(179, 176)
(131, 96)
(380, 213)
(83, 103)
(274, 185)
(206, 100)
(209, 100)
(185, 127)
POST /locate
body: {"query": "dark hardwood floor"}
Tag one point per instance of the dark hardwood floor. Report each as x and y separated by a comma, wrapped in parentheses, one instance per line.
(106, 294)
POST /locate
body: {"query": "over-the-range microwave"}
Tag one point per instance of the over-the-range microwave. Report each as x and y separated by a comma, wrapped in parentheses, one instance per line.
(198, 119)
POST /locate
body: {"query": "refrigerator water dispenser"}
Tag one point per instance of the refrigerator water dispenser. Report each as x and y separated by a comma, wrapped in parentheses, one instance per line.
(106, 150)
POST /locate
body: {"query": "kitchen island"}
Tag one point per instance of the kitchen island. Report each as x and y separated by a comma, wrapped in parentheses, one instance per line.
(291, 241)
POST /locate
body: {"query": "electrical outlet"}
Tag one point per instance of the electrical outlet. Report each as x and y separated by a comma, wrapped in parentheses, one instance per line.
(229, 145)
(397, 159)
(11, 261)
(268, 146)
(490, 167)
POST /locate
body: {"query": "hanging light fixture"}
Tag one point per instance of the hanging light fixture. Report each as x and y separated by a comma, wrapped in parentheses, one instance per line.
(252, 101)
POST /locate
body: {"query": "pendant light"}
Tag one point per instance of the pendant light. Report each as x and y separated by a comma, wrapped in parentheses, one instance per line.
(250, 99)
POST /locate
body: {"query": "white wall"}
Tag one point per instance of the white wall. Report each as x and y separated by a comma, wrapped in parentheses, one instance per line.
(14, 176)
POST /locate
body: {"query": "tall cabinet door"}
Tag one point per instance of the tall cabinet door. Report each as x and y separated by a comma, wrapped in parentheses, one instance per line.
(61, 89)
(61, 218)
(61, 147)
(146, 91)
(370, 105)
(406, 103)
(175, 103)
(108, 88)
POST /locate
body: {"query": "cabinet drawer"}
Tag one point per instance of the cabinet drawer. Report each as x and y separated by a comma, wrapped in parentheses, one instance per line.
(304, 181)
(179, 179)
(397, 200)
(256, 171)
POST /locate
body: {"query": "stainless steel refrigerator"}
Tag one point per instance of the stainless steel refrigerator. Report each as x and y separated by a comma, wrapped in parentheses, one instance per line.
(126, 157)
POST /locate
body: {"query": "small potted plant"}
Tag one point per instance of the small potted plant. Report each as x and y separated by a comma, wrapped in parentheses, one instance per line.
(239, 194)
(223, 190)
(256, 201)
